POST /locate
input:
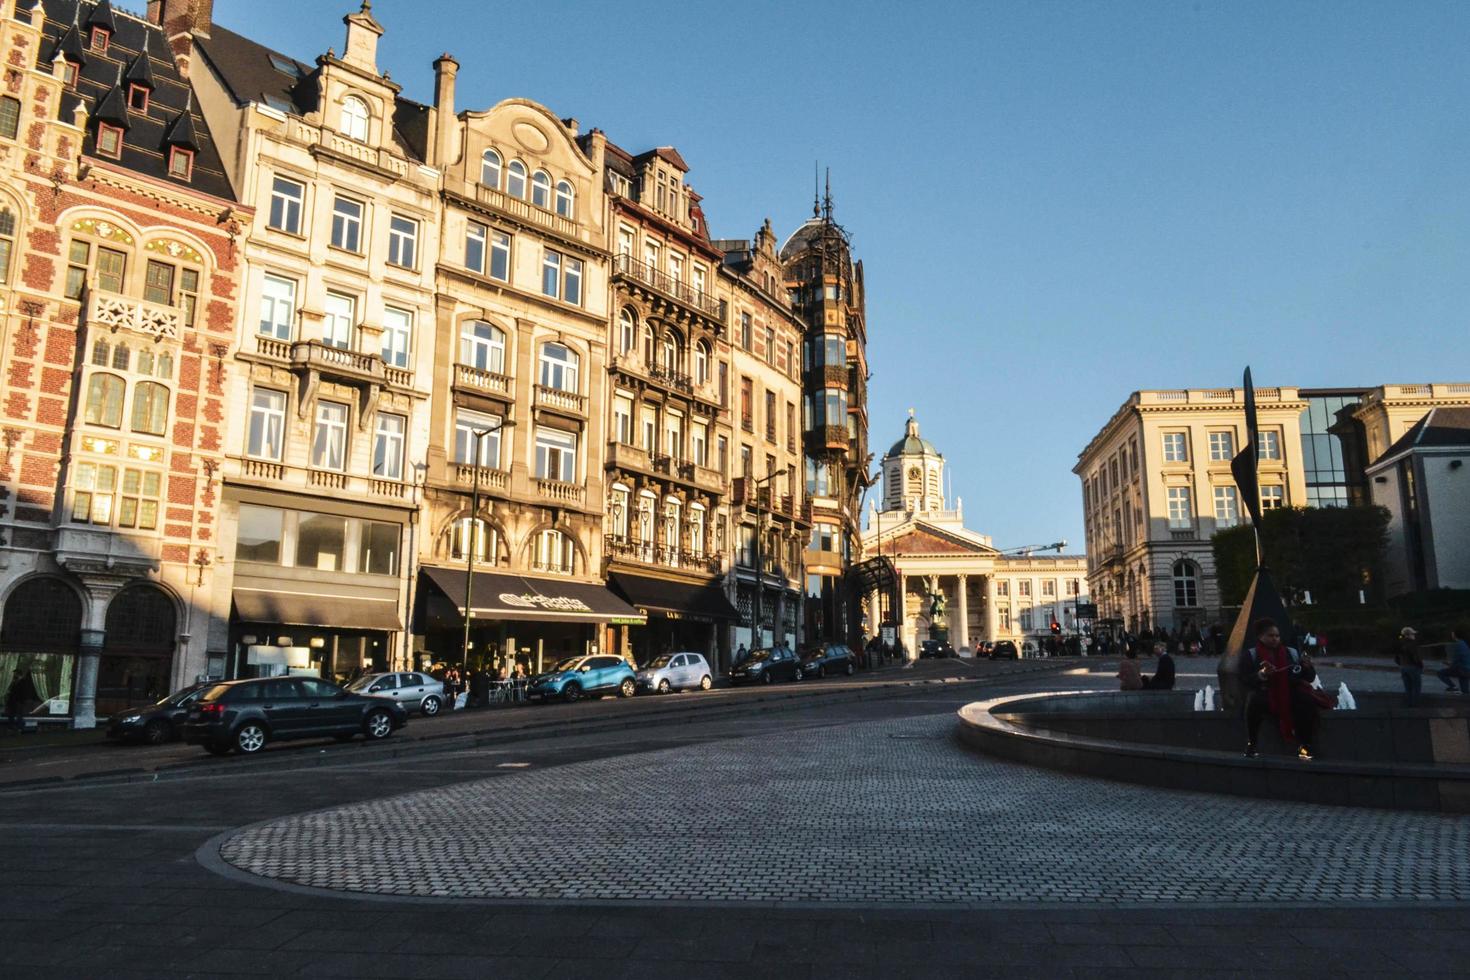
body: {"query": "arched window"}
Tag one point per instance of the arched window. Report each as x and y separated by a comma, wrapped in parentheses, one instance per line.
(515, 179)
(1186, 585)
(42, 615)
(355, 119)
(142, 619)
(105, 400)
(696, 530)
(490, 169)
(121, 357)
(150, 408)
(670, 352)
(554, 553)
(486, 540)
(482, 346)
(627, 330)
(645, 526)
(618, 507)
(648, 344)
(559, 367)
(672, 510)
(541, 189)
(701, 363)
(566, 199)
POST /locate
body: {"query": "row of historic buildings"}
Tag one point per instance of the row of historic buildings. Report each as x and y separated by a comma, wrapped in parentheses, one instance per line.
(302, 374)
(1156, 486)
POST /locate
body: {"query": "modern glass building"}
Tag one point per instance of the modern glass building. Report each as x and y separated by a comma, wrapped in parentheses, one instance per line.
(1334, 451)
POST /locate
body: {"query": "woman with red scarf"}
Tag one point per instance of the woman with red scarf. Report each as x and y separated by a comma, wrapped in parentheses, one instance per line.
(1278, 680)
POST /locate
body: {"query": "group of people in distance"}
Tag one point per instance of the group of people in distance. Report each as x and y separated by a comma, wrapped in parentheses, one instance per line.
(1131, 678)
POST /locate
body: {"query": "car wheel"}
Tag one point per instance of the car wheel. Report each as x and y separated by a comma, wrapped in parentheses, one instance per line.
(217, 748)
(572, 692)
(766, 678)
(663, 686)
(797, 675)
(705, 683)
(627, 689)
(849, 668)
(379, 725)
(157, 732)
(820, 672)
(250, 738)
(430, 706)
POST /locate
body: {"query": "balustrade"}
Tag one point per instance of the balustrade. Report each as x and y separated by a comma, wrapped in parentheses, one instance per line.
(565, 400)
(677, 289)
(478, 379)
(123, 312)
(490, 478)
(568, 493)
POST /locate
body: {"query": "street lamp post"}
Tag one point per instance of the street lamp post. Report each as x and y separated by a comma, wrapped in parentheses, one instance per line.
(478, 435)
(760, 572)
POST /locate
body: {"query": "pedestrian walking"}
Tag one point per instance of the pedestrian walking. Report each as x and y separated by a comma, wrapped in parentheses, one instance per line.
(1459, 662)
(1407, 655)
(18, 697)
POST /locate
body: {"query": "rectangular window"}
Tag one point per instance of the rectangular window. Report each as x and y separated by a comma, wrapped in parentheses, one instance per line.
(377, 552)
(287, 197)
(180, 162)
(397, 336)
(189, 294)
(111, 266)
(1181, 516)
(9, 117)
(258, 534)
(556, 455)
(337, 323)
(1222, 446)
(551, 274)
(471, 426)
(770, 351)
(623, 419)
(571, 290)
(1176, 447)
(747, 405)
(474, 247)
(329, 446)
(321, 542)
(1003, 588)
(267, 424)
(1049, 588)
(770, 416)
(1025, 586)
(500, 256)
(1268, 445)
(722, 454)
(745, 331)
(403, 241)
(138, 97)
(109, 141)
(347, 224)
(1227, 507)
(388, 446)
(79, 259)
(277, 307)
(1272, 498)
(699, 443)
(158, 283)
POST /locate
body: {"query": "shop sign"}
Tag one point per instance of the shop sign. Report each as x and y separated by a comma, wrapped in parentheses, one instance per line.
(554, 603)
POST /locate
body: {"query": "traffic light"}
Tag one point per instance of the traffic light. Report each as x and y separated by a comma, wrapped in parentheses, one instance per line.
(1056, 628)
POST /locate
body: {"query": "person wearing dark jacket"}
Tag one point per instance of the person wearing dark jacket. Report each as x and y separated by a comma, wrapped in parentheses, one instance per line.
(1163, 678)
(18, 697)
(1459, 658)
(1411, 663)
(1277, 679)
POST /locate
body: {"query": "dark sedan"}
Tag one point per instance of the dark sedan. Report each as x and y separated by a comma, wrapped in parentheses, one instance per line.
(828, 658)
(936, 648)
(767, 667)
(244, 715)
(158, 723)
(1004, 650)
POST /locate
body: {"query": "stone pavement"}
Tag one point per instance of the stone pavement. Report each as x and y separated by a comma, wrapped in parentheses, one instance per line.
(891, 813)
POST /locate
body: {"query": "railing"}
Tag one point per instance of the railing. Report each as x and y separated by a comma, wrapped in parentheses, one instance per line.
(490, 478)
(271, 347)
(622, 546)
(770, 433)
(387, 488)
(260, 469)
(478, 379)
(150, 319)
(832, 374)
(702, 302)
(709, 479)
(676, 468)
(399, 377)
(747, 423)
(330, 479)
(671, 378)
(336, 360)
(567, 493)
(565, 400)
(552, 566)
(517, 208)
(621, 454)
(361, 152)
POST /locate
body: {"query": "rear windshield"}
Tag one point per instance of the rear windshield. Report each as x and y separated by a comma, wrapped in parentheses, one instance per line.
(215, 693)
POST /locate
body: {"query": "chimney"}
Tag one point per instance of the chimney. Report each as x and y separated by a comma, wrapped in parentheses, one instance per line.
(445, 127)
(182, 21)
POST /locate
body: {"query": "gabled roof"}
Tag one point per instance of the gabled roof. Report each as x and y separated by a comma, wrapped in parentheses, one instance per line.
(1445, 427)
(182, 132)
(254, 73)
(101, 16)
(919, 537)
(113, 107)
(666, 153)
(140, 72)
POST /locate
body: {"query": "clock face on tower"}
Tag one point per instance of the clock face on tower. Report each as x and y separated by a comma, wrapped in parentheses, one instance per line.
(913, 473)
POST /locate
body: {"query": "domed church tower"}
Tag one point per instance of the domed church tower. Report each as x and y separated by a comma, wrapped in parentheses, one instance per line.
(913, 473)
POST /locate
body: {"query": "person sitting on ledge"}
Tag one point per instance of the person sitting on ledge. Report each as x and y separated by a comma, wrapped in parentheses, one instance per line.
(1129, 679)
(1459, 658)
(1278, 682)
(1163, 678)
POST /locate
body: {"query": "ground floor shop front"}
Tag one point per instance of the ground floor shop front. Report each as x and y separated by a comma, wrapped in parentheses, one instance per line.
(682, 616)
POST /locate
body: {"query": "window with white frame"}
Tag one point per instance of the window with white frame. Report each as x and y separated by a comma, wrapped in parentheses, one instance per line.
(397, 336)
(482, 346)
(277, 307)
(701, 363)
(618, 508)
(556, 455)
(554, 552)
(1003, 588)
(645, 525)
(403, 241)
(329, 444)
(1176, 447)
(1222, 446)
(388, 446)
(466, 532)
(648, 426)
(1268, 444)
(559, 367)
(627, 330)
(672, 513)
(1025, 588)
(347, 224)
(1186, 585)
(1272, 498)
(515, 179)
(551, 274)
(561, 277)
(339, 317)
(499, 255)
(474, 246)
(625, 241)
(490, 169)
(674, 435)
(267, 426)
(287, 200)
(103, 495)
(1227, 507)
(1049, 588)
(541, 189)
(477, 438)
(571, 284)
(566, 199)
(623, 419)
(696, 530)
(698, 282)
(355, 119)
(699, 443)
(1181, 515)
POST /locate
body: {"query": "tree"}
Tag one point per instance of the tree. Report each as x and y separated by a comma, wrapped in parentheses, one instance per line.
(1330, 552)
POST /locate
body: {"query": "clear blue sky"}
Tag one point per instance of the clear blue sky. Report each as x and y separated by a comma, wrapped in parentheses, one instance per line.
(1057, 203)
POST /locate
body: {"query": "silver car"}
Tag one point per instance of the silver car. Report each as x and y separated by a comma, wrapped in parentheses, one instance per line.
(675, 672)
(414, 690)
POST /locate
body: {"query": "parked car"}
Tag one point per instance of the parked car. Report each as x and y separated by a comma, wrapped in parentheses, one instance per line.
(936, 648)
(244, 715)
(675, 672)
(828, 658)
(415, 690)
(576, 677)
(158, 723)
(767, 666)
(1004, 650)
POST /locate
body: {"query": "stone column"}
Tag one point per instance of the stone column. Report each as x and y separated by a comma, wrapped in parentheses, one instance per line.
(875, 612)
(964, 633)
(93, 636)
(992, 612)
(901, 614)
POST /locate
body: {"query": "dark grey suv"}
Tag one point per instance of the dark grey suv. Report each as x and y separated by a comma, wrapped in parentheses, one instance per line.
(245, 715)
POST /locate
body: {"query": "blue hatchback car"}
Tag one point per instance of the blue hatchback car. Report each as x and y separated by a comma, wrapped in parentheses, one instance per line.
(578, 677)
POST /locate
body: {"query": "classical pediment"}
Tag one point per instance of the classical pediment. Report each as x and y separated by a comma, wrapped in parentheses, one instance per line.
(923, 540)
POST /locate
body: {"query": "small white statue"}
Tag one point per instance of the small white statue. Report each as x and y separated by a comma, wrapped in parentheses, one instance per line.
(1199, 700)
(1345, 699)
(1209, 698)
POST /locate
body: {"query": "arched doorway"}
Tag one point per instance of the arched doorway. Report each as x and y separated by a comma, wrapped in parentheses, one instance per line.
(40, 637)
(137, 654)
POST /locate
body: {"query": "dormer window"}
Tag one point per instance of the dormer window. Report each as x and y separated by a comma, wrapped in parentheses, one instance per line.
(101, 36)
(69, 74)
(138, 98)
(109, 140)
(180, 163)
(355, 119)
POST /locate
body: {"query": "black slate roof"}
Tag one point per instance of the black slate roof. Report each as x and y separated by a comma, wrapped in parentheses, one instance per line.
(146, 140)
(1445, 426)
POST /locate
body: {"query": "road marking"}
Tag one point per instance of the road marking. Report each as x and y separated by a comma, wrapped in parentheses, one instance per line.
(514, 765)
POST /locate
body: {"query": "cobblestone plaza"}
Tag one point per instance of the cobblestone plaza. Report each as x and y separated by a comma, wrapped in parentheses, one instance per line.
(893, 813)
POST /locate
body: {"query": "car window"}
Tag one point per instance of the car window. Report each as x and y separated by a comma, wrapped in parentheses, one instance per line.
(280, 690)
(411, 680)
(385, 683)
(679, 661)
(315, 687)
(215, 693)
(695, 660)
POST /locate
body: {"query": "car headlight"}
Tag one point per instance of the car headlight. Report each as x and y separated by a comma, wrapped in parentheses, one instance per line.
(132, 718)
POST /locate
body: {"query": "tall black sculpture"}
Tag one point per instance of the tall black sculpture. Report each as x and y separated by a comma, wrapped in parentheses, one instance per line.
(1261, 599)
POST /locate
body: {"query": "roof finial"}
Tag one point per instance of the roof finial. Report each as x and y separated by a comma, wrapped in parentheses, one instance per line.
(816, 197)
(827, 201)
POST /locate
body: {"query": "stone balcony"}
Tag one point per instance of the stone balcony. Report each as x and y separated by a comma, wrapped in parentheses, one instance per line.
(623, 548)
(561, 401)
(116, 312)
(336, 483)
(561, 492)
(480, 381)
(525, 211)
(490, 479)
(337, 362)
